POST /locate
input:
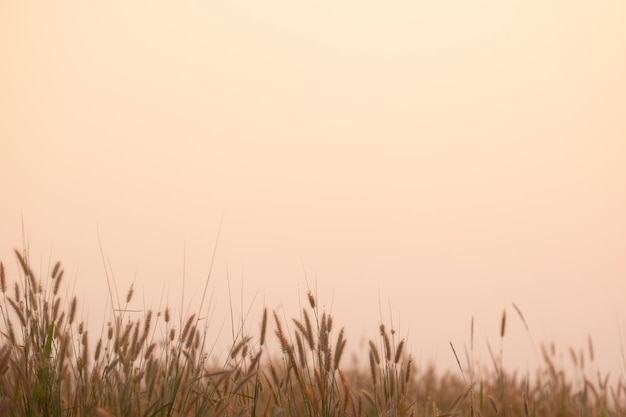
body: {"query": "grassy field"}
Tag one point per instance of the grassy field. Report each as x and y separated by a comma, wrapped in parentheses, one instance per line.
(159, 365)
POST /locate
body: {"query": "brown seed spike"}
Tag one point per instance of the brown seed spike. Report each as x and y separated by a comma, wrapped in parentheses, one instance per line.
(147, 324)
(309, 331)
(186, 329)
(129, 296)
(55, 309)
(387, 344)
(341, 344)
(374, 351)
(255, 362)
(263, 326)
(311, 299)
(57, 283)
(85, 349)
(190, 338)
(22, 261)
(237, 348)
(284, 344)
(149, 350)
(323, 334)
(373, 367)
(96, 355)
(300, 326)
(3, 281)
(503, 325)
(409, 366)
(526, 408)
(399, 351)
(303, 360)
(55, 270)
(72, 310)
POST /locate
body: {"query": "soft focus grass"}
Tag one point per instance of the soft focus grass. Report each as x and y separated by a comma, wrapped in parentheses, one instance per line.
(158, 365)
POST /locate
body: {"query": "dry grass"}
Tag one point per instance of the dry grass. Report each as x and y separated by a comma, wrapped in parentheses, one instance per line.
(51, 366)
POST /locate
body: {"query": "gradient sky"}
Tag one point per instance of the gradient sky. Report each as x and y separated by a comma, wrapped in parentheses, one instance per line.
(446, 157)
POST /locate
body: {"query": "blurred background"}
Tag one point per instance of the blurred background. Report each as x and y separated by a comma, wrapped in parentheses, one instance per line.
(418, 162)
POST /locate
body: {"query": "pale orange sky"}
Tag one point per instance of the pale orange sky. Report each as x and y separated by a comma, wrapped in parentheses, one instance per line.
(450, 157)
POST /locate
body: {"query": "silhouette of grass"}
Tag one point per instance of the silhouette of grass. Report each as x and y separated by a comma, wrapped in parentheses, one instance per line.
(48, 367)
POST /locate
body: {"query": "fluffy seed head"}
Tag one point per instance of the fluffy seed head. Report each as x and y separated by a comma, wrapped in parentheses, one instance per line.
(129, 296)
(3, 281)
(187, 327)
(72, 310)
(96, 355)
(373, 367)
(57, 283)
(399, 351)
(263, 326)
(341, 344)
(55, 270)
(374, 351)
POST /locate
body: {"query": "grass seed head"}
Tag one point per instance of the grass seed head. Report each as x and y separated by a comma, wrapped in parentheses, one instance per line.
(263, 326)
(3, 280)
(129, 295)
(186, 329)
(57, 283)
(373, 367)
(72, 310)
(55, 270)
(341, 344)
(374, 351)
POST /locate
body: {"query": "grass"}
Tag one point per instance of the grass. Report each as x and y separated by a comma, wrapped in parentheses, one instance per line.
(151, 366)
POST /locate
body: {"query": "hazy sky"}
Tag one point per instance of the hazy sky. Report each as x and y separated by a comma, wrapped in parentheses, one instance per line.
(446, 157)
